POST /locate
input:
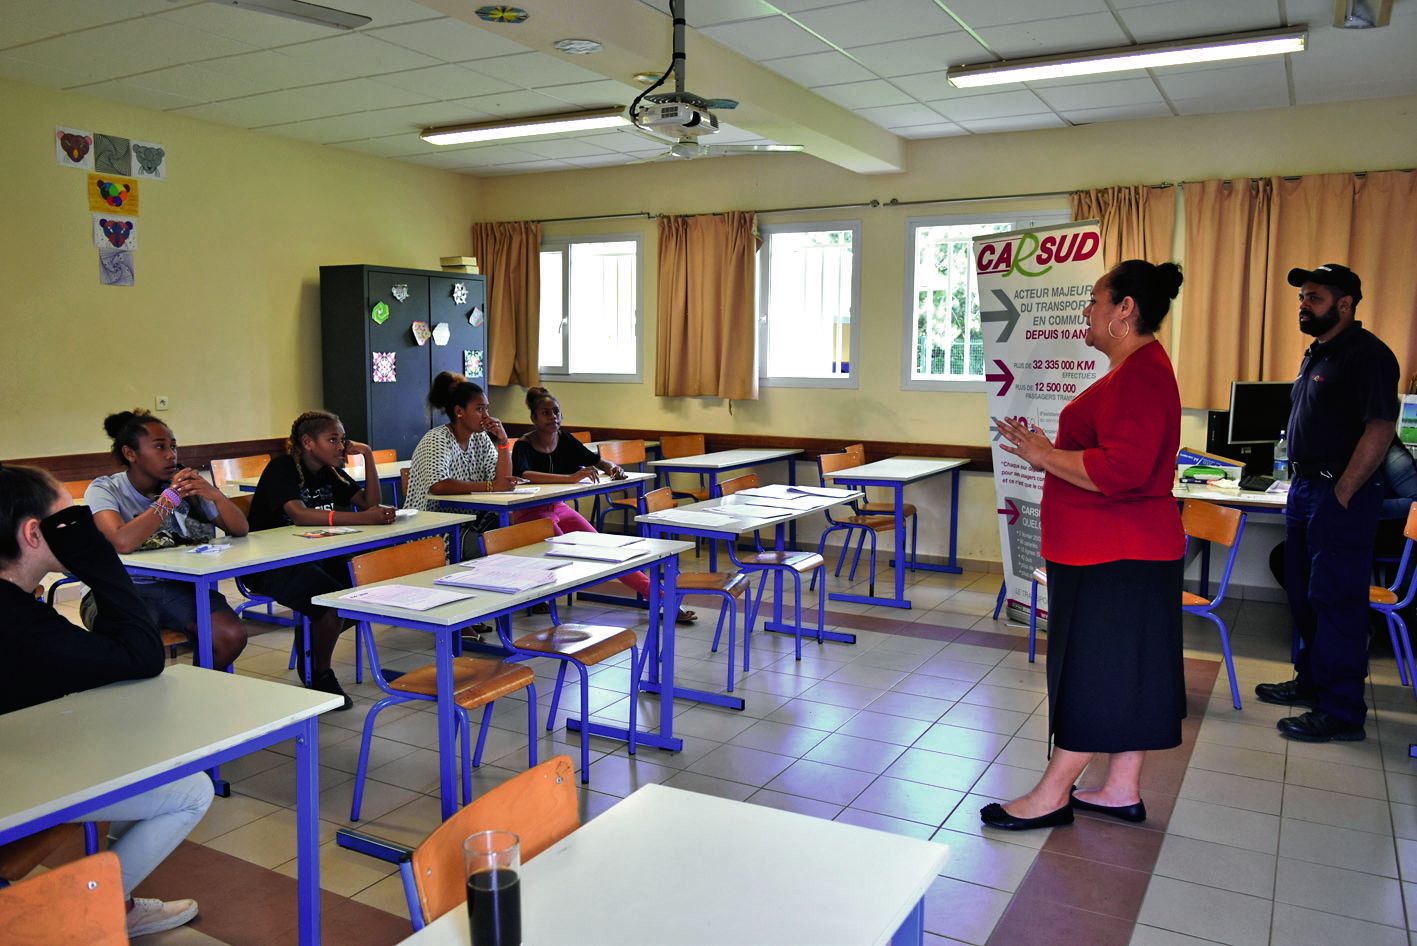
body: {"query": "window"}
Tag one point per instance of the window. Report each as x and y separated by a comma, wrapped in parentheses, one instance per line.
(808, 290)
(590, 309)
(942, 310)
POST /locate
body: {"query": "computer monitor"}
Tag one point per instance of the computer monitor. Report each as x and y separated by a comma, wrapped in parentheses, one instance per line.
(1259, 410)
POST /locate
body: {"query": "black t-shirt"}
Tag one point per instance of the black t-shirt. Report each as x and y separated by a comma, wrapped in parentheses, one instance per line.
(568, 457)
(281, 482)
(1342, 384)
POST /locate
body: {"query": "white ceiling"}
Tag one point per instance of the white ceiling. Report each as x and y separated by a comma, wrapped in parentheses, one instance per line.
(847, 79)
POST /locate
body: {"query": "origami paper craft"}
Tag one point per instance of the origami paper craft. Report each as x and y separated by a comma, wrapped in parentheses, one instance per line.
(459, 293)
(400, 292)
(380, 315)
(474, 318)
(441, 333)
(472, 364)
(421, 333)
(385, 367)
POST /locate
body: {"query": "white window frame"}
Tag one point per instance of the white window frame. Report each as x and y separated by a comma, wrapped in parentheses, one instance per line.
(1021, 221)
(850, 380)
(563, 245)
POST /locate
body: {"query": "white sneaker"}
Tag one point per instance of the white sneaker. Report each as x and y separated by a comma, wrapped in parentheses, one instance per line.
(154, 916)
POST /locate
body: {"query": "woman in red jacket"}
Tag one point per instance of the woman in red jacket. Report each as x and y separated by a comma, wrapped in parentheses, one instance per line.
(1113, 542)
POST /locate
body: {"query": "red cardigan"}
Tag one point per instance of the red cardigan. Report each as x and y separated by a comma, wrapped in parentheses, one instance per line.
(1128, 427)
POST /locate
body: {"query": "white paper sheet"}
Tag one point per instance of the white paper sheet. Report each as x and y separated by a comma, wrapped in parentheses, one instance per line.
(598, 539)
(689, 518)
(828, 491)
(405, 596)
(533, 563)
(498, 578)
(599, 554)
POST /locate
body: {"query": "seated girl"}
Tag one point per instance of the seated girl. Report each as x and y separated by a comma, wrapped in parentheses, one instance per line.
(155, 503)
(309, 487)
(543, 455)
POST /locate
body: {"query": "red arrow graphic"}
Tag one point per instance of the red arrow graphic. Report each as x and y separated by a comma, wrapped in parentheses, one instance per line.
(1007, 377)
(1010, 510)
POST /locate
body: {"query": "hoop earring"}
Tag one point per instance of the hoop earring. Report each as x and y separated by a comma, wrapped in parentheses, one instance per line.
(1124, 334)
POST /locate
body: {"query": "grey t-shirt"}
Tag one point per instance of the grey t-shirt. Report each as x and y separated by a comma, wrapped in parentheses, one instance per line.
(191, 523)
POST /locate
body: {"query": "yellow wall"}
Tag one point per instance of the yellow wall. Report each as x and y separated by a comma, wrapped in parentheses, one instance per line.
(224, 317)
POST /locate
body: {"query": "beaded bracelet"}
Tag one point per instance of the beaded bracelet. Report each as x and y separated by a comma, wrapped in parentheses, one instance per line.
(174, 498)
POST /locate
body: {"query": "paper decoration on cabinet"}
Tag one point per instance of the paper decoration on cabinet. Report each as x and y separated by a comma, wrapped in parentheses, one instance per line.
(73, 147)
(111, 194)
(501, 13)
(421, 333)
(400, 292)
(115, 233)
(112, 155)
(441, 333)
(115, 267)
(459, 293)
(149, 160)
(474, 318)
(380, 315)
(385, 366)
(472, 364)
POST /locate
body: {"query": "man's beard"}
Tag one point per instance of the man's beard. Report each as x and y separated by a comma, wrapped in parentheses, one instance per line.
(1317, 325)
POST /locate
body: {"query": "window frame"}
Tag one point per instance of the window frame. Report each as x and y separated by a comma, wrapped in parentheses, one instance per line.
(1021, 221)
(852, 378)
(563, 245)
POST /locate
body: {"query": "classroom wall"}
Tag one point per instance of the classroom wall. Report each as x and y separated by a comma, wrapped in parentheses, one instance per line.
(224, 315)
(1355, 136)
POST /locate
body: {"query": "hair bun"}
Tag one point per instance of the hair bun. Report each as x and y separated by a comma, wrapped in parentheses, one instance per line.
(443, 384)
(1169, 279)
(114, 424)
(534, 396)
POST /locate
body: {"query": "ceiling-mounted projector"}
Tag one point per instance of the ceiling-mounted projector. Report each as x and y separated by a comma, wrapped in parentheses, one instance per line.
(678, 119)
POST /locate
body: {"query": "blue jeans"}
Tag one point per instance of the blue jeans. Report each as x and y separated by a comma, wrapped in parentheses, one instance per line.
(148, 827)
(1328, 553)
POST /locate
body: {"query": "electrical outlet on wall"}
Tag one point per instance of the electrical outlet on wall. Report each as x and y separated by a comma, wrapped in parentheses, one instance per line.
(162, 402)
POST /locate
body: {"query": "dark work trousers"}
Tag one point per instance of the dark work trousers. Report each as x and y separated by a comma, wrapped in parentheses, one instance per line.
(1328, 554)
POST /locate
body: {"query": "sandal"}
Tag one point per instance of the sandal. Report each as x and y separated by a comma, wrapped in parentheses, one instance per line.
(686, 617)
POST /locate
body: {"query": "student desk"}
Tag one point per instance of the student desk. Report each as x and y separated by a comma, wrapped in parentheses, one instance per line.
(727, 461)
(697, 870)
(87, 750)
(505, 503)
(746, 519)
(389, 476)
(444, 623)
(896, 473)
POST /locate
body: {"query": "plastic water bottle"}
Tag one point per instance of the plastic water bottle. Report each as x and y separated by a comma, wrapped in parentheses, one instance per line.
(1281, 457)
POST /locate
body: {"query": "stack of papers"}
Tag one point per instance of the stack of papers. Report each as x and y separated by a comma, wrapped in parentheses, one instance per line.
(689, 518)
(508, 560)
(599, 539)
(499, 578)
(404, 596)
(795, 504)
(596, 553)
(827, 491)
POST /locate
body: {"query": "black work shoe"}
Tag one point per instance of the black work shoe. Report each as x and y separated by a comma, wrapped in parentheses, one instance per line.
(1286, 694)
(326, 682)
(996, 816)
(1318, 726)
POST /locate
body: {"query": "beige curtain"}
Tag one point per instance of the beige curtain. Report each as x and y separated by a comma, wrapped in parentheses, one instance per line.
(510, 256)
(1222, 327)
(707, 339)
(1384, 255)
(1136, 221)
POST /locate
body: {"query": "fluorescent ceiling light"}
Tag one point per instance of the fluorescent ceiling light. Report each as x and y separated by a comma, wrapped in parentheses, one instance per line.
(529, 127)
(1124, 58)
(304, 12)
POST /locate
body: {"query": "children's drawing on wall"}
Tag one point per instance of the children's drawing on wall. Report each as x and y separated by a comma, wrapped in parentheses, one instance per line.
(112, 155)
(149, 160)
(115, 233)
(109, 193)
(73, 147)
(115, 267)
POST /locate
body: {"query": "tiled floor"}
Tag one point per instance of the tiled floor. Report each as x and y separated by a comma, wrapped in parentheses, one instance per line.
(933, 713)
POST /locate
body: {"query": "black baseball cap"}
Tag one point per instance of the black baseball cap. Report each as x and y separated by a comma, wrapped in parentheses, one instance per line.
(1336, 275)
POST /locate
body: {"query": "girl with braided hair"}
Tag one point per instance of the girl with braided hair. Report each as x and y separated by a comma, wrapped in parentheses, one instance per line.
(309, 487)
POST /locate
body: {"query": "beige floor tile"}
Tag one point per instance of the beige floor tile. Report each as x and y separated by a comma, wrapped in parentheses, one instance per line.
(1232, 760)
(1151, 936)
(1337, 777)
(344, 872)
(1217, 865)
(1206, 912)
(1006, 781)
(1234, 791)
(386, 895)
(1296, 926)
(984, 861)
(228, 814)
(269, 841)
(1335, 890)
(1251, 830)
(1335, 808)
(987, 718)
(1338, 847)
(964, 911)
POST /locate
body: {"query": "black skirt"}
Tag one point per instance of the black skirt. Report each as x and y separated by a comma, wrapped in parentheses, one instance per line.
(1116, 675)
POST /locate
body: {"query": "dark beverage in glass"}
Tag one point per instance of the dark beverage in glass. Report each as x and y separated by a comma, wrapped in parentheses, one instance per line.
(494, 908)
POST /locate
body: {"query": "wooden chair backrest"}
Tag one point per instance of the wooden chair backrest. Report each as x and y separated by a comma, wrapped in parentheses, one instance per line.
(658, 500)
(386, 456)
(77, 488)
(681, 445)
(515, 536)
(623, 452)
(857, 450)
(81, 902)
(746, 481)
(242, 501)
(1410, 530)
(832, 462)
(539, 805)
(399, 560)
(229, 468)
(1211, 523)
(582, 435)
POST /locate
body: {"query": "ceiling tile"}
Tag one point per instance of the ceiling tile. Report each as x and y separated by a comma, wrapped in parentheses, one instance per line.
(924, 86)
(268, 70)
(626, 142)
(797, 6)
(765, 39)
(863, 94)
(591, 94)
(1340, 64)
(560, 148)
(819, 68)
(246, 26)
(131, 46)
(877, 21)
(600, 160)
(404, 121)
(446, 82)
(964, 108)
(937, 130)
(13, 65)
(385, 147)
(1101, 94)
(1264, 78)
(384, 12)
(982, 13)
(1118, 113)
(316, 101)
(1182, 18)
(899, 116)
(534, 70)
(924, 54)
(449, 40)
(1060, 35)
(121, 90)
(702, 13)
(526, 167)
(357, 54)
(29, 20)
(519, 102)
(197, 83)
(1014, 123)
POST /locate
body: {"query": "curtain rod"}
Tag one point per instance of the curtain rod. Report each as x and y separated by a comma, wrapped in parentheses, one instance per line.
(625, 216)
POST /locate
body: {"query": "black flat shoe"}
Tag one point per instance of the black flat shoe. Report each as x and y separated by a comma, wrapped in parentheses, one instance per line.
(1318, 726)
(995, 816)
(1134, 813)
(1285, 694)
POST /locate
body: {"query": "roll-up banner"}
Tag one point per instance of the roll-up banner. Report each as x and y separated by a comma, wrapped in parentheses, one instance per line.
(1033, 285)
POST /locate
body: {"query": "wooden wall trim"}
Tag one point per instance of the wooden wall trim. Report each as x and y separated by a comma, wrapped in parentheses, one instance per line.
(85, 466)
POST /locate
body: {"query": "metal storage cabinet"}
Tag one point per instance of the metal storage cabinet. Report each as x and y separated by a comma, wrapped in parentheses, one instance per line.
(395, 414)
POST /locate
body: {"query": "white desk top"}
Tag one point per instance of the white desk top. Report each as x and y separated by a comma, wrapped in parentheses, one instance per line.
(1238, 497)
(86, 744)
(747, 517)
(686, 868)
(275, 545)
(545, 492)
(387, 471)
(469, 610)
(899, 469)
(727, 459)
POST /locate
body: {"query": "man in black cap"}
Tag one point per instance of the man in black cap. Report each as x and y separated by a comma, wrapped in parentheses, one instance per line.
(1343, 418)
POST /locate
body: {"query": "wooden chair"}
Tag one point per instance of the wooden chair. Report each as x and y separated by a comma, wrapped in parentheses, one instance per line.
(355, 464)
(574, 645)
(672, 446)
(627, 454)
(582, 435)
(1389, 601)
(229, 468)
(862, 525)
(477, 681)
(77, 488)
(908, 510)
(81, 902)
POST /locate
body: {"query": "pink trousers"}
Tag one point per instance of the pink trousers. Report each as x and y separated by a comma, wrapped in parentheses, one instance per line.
(565, 519)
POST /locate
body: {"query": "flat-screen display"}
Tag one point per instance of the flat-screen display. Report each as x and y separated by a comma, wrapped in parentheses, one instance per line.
(1259, 410)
